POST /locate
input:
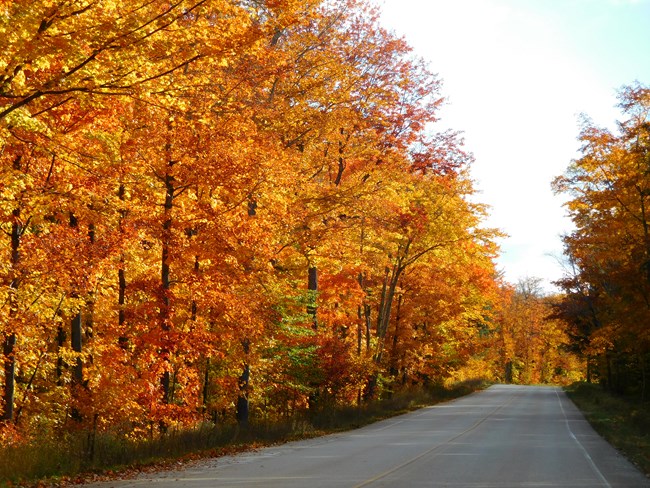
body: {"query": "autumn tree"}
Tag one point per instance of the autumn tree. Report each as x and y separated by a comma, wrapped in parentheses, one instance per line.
(609, 189)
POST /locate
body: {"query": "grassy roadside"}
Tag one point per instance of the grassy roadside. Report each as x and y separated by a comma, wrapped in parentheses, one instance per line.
(623, 422)
(57, 462)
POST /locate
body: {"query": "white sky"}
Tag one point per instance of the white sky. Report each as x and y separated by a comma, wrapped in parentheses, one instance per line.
(517, 73)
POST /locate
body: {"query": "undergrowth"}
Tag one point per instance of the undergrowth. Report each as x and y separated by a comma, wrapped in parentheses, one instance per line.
(78, 456)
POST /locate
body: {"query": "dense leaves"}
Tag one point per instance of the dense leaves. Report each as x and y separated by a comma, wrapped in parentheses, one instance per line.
(608, 289)
(220, 209)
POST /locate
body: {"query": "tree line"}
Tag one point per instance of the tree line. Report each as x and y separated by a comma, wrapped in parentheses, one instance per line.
(219, 209)
(607, 284)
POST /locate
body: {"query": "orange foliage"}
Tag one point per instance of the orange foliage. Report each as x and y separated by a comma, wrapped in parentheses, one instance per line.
(608, 286)
(169, 176)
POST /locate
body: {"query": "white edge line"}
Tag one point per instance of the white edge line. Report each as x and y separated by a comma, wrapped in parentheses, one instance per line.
(582, 448)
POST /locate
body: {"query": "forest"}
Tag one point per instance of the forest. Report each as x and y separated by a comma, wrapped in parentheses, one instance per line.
(232, 210)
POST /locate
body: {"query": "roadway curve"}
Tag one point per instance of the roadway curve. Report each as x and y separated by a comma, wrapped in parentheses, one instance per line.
(505, 436)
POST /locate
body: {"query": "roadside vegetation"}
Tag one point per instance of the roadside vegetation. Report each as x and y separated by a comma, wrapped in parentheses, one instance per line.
(80, 457)
(623, 421)
(234, 213)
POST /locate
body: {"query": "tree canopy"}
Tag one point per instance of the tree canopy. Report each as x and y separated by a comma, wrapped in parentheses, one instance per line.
(608, 290)
(220, 209)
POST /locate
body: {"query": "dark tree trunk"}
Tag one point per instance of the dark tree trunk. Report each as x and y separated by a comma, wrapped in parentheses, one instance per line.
(361, 318)
(165, 277)
(242, 409)
(312, 287)
(123, 339)
(10, 337)
(366, 313)
(252, 207)
(206, 385)
(242, 399)
(394, 369)
(242, 412)
(61, 337)
(75, 327)
(76, 341)
(77, 370)
(10, 374)
(508, 371)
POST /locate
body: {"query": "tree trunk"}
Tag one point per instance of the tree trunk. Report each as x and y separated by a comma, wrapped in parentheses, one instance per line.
(382, 301)
(75, 328)
(165, 277)
(10, 374)
(76, 334)
(206, 386)
(60, 342)
(242, 399)
(242, 412)
(508, 371)
(242, 409)
(10, 337)
(388, 296)
(366, 313)
(123, 339)
(359, 318)
(76, 342)
(394, 369)
(312, 287)
(77, 370)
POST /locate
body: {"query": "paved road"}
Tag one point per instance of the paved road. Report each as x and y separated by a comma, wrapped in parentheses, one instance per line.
(505, 436)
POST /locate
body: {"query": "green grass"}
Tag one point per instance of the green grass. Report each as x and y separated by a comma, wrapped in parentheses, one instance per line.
(624, 422)
(70, 458)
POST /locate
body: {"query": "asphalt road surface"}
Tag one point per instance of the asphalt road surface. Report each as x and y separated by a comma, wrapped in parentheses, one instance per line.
(505, 436)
